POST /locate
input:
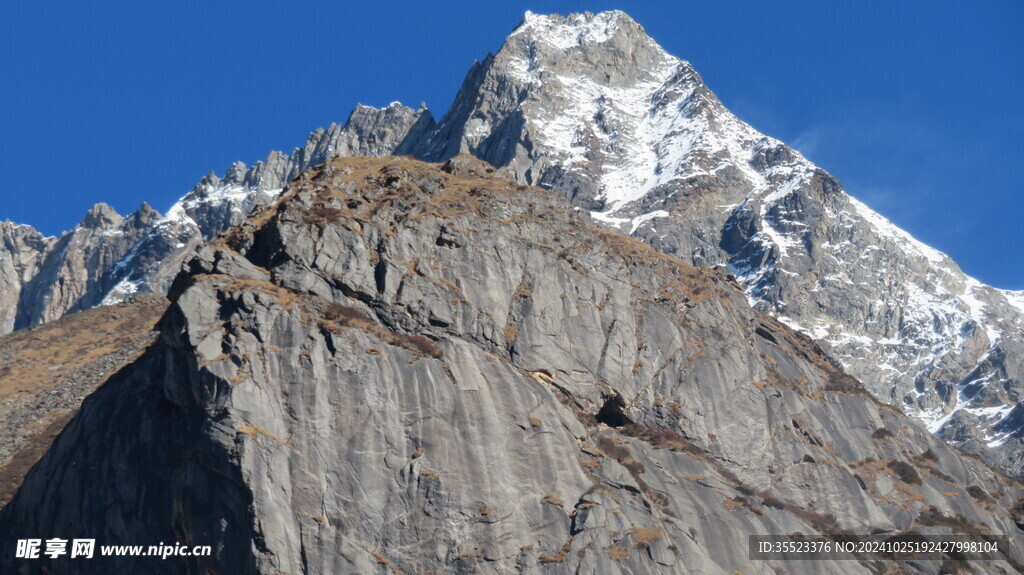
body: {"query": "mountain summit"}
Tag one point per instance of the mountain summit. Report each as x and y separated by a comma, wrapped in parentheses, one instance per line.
(591, 107)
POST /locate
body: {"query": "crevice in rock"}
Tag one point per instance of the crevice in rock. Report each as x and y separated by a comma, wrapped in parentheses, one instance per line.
(355, 294)
(612, 414)
(765, 334)
(379, 274)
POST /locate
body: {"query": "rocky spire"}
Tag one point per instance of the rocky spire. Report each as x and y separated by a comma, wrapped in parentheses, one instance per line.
(101, 216)
(562, 102)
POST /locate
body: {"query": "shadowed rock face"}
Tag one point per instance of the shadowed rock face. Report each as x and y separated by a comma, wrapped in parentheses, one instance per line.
(46, 371)
(401, 368)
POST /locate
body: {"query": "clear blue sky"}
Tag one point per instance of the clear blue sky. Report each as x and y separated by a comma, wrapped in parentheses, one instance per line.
(916, 106)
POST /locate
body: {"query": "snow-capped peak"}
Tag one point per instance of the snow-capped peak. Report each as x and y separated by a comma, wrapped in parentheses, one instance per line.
(574, 29)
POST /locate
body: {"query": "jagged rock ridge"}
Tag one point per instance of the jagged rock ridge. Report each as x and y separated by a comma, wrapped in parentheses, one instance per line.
(107, 258)
(397, 368)
(42, 278)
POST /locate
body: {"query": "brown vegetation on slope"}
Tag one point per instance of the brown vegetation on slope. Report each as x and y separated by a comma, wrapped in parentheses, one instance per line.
(47, 370)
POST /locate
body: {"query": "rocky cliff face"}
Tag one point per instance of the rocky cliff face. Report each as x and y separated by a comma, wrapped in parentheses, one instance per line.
(401, 369)
(591, 107)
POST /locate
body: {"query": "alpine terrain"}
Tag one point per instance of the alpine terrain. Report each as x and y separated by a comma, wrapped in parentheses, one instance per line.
(400, 367)
(591, 107)
(588, 321)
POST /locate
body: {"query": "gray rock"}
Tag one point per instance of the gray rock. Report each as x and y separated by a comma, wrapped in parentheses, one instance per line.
(45, 278)
(343, 390)
(106, 259)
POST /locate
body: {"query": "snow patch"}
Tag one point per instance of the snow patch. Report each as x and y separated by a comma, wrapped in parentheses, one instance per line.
(639, 220)
(121, 292)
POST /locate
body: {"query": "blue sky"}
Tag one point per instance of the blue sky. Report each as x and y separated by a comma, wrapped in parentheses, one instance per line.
(916, 106)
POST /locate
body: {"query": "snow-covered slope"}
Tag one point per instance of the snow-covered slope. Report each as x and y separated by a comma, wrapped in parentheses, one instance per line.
(216, 204)
(42, 278)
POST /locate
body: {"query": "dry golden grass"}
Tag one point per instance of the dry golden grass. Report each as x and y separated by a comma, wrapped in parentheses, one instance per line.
(357, 188)
(479, 557)
(352, 192)
(337, 317)
(644, 536)
(910, 495)
(29, 453)
(732, 504)
(253, 431)
(617, 553)
(387, 562)
(559, 556)
(552, 500)
(283, 297)
(542, 377)
(44, 354)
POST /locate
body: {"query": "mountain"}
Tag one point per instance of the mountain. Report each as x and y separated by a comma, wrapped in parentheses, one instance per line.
(401, 367)
(591, 107)
(42, 278)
